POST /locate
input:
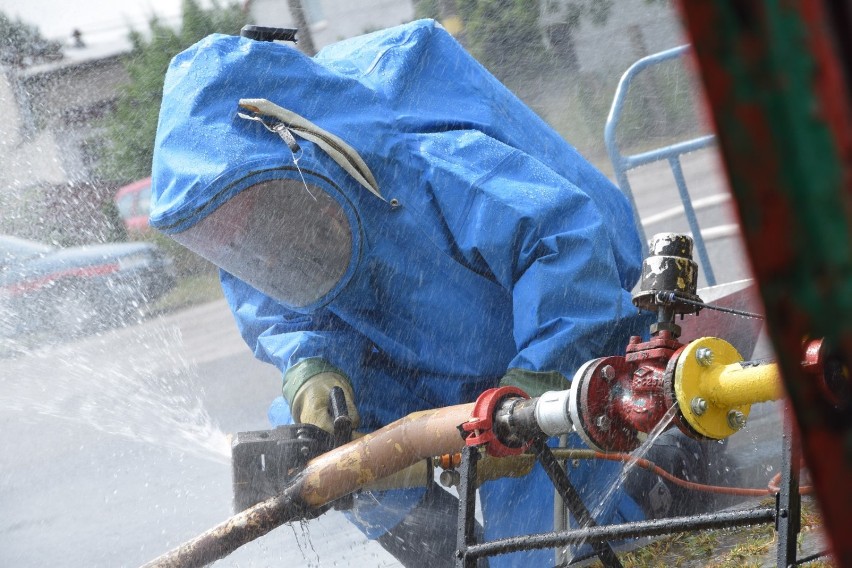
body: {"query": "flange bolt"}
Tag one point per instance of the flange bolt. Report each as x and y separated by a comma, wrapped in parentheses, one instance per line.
(704, 356)
(736, 419)
(698, 406)
(608, 372)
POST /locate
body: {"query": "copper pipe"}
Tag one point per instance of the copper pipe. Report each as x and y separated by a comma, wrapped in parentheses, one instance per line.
(337, 473)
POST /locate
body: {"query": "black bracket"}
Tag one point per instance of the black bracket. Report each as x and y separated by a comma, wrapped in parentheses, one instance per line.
(264, 33)
(786, 515)
(572, 500)
(265, 461)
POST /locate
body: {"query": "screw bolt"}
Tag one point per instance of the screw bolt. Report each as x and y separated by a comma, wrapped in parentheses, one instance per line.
(704, 356)
(698, 406)
(603, 423)
(736, 419)
(607, 372)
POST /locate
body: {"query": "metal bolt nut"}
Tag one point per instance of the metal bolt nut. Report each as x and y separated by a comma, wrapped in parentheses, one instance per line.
(736, 419)
(450, 478)
(704, 356)
(603, 423)
(698, 406)
(608, 372)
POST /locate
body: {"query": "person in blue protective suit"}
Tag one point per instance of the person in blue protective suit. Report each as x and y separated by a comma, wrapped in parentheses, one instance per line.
(389, 219)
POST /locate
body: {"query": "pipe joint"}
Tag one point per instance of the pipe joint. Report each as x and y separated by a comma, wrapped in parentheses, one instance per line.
(552, 413)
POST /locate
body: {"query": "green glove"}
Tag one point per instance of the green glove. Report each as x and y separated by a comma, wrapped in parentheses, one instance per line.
(534, 383)
(307, 386)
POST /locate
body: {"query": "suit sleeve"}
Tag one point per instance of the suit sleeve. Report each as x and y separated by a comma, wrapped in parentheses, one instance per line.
(285, 338)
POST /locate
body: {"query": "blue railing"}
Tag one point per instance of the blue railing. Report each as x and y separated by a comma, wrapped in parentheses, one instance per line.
(622, 164)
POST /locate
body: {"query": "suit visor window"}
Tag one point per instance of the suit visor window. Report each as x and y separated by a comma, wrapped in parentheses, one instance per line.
(288, 239)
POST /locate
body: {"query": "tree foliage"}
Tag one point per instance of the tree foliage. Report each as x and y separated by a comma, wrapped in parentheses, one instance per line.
(131, 128)
(504, 35)
(512, 38)
(22, 45)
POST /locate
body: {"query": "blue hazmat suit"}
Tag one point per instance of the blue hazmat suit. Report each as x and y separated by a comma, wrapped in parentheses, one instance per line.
(479, 240)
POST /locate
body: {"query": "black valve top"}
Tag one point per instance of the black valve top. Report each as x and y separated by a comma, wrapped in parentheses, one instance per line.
(668, 268)
(263, 33)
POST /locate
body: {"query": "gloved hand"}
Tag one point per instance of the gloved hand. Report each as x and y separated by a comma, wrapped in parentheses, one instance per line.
(310, 405)
(534, 383)
(307, 386)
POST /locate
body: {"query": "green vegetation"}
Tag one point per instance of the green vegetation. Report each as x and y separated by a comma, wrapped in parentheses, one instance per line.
(22, 45)
(529, 45)
(133, 125)
(505, 37)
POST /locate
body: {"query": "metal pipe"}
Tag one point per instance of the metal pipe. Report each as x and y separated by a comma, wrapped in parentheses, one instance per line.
(789, 501)
(742, 383)
(618, 532)
(560, 512)
(327, 478)
(621, 163)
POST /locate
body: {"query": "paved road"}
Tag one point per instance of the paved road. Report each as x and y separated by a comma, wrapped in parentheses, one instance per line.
(114, 447)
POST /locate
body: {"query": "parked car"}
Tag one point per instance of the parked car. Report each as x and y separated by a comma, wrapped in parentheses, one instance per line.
(69, 291)
(134, 204)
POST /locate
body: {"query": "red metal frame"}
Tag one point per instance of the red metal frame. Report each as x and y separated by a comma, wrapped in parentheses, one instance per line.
(776, 76)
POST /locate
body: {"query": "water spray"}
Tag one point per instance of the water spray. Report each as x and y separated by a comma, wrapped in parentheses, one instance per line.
(613, 403)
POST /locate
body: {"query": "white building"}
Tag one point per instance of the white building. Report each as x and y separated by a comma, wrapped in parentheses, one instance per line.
(51, 138)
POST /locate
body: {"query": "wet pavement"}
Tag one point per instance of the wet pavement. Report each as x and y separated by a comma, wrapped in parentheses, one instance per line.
(112, 452)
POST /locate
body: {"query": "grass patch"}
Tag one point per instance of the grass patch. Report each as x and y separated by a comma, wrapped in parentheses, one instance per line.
(679, 549)
(190, 291)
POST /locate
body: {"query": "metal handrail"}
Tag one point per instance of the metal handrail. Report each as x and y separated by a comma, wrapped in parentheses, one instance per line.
(622, 164)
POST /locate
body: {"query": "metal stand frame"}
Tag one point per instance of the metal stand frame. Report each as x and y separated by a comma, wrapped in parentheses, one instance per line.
(786, 514)
(788, 502)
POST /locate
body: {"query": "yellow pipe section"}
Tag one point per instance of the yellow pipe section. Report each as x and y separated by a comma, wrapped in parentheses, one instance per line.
(735, 384)
(715, 390)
